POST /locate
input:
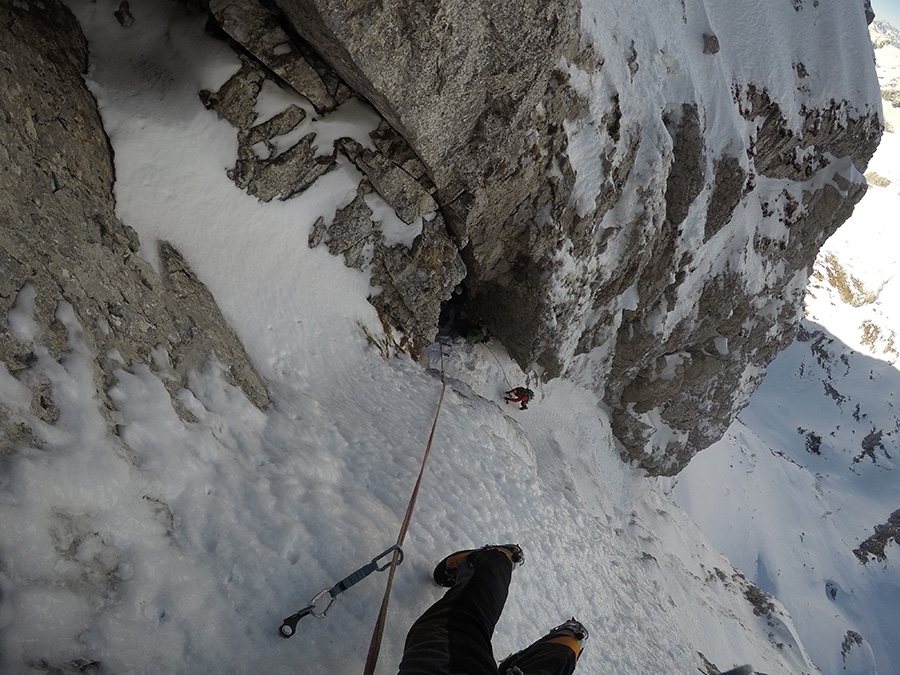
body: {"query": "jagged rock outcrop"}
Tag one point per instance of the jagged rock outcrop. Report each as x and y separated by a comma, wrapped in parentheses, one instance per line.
(875, 545)
(648, 237)
(413, 262)
(61, 244)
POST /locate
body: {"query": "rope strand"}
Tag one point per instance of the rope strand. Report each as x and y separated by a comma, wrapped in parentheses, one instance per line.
(378, 632)
(502, 369)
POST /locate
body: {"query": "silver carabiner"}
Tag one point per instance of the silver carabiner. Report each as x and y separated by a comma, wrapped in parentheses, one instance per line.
(385, 554)
(312, 604)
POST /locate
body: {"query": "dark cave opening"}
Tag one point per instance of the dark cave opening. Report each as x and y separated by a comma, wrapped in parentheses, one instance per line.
(458, 320)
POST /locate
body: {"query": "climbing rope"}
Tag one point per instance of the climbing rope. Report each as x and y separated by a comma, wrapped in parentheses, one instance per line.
(289, 625)
(378, 632)
(502, 369)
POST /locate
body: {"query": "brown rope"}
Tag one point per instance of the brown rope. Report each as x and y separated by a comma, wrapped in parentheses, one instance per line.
(378, 633)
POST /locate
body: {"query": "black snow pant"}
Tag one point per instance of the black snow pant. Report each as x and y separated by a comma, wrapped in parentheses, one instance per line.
(453, 636)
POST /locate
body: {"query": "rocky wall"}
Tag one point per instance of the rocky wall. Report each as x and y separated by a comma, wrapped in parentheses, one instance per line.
(671, 290)
(62, 246)
(668, 292)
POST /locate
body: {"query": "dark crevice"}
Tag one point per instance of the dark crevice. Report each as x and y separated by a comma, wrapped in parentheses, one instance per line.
(458, 320)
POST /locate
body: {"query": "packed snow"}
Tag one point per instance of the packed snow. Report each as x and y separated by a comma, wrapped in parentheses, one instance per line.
(151, 544)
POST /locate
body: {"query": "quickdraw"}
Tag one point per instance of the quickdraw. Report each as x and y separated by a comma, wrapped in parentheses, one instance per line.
(289, 625)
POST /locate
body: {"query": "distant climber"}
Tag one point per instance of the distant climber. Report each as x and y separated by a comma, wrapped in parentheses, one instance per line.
(453, 636)
(478, 333)
(519, 395)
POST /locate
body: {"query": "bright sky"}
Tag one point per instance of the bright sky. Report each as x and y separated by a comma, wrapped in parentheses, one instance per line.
(887, 10)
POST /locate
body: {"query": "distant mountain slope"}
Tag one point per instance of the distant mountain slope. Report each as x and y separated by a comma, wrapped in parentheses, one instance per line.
(801, 494)
(883, 33)
(886, 41)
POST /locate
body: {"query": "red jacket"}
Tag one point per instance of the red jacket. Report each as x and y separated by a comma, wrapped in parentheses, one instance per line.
(517, 395)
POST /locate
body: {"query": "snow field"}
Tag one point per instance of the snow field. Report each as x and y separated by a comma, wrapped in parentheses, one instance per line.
(200, 536)
(165, 545)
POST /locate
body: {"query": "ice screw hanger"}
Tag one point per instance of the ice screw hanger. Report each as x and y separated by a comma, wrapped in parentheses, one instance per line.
(289, 625)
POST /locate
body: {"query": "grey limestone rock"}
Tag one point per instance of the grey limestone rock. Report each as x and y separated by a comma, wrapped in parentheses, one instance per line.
(687, 175)
(414, 280)
(61, 243)
(710, 44)
(352, 233)
(262, 169)
(477, 92)
(402, 191)
(667, 286)
(251, 25)
(876, 545)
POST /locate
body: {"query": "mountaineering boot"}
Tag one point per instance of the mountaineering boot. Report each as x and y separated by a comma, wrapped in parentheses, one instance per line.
(556, 652)
(445, 571)
(573, 628)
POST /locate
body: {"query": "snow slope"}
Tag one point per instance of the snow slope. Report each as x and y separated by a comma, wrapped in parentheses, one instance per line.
(148, 544)
(808, 471)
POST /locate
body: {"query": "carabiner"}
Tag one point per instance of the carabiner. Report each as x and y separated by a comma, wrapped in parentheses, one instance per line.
(386, 565)
(312, 604)
(289, 625)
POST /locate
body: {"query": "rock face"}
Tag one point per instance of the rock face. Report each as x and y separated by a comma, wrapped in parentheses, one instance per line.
(413, 261)
(647, 237)
(63, 252)
(626, 208)
(875, 545)
(482, 108)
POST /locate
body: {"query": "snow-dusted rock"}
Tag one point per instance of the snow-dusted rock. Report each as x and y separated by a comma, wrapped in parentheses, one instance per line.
(637, 194)
(64, 255)
(238, 514)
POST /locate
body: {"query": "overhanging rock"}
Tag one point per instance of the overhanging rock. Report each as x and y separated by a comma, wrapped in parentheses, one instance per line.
(636, 211)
